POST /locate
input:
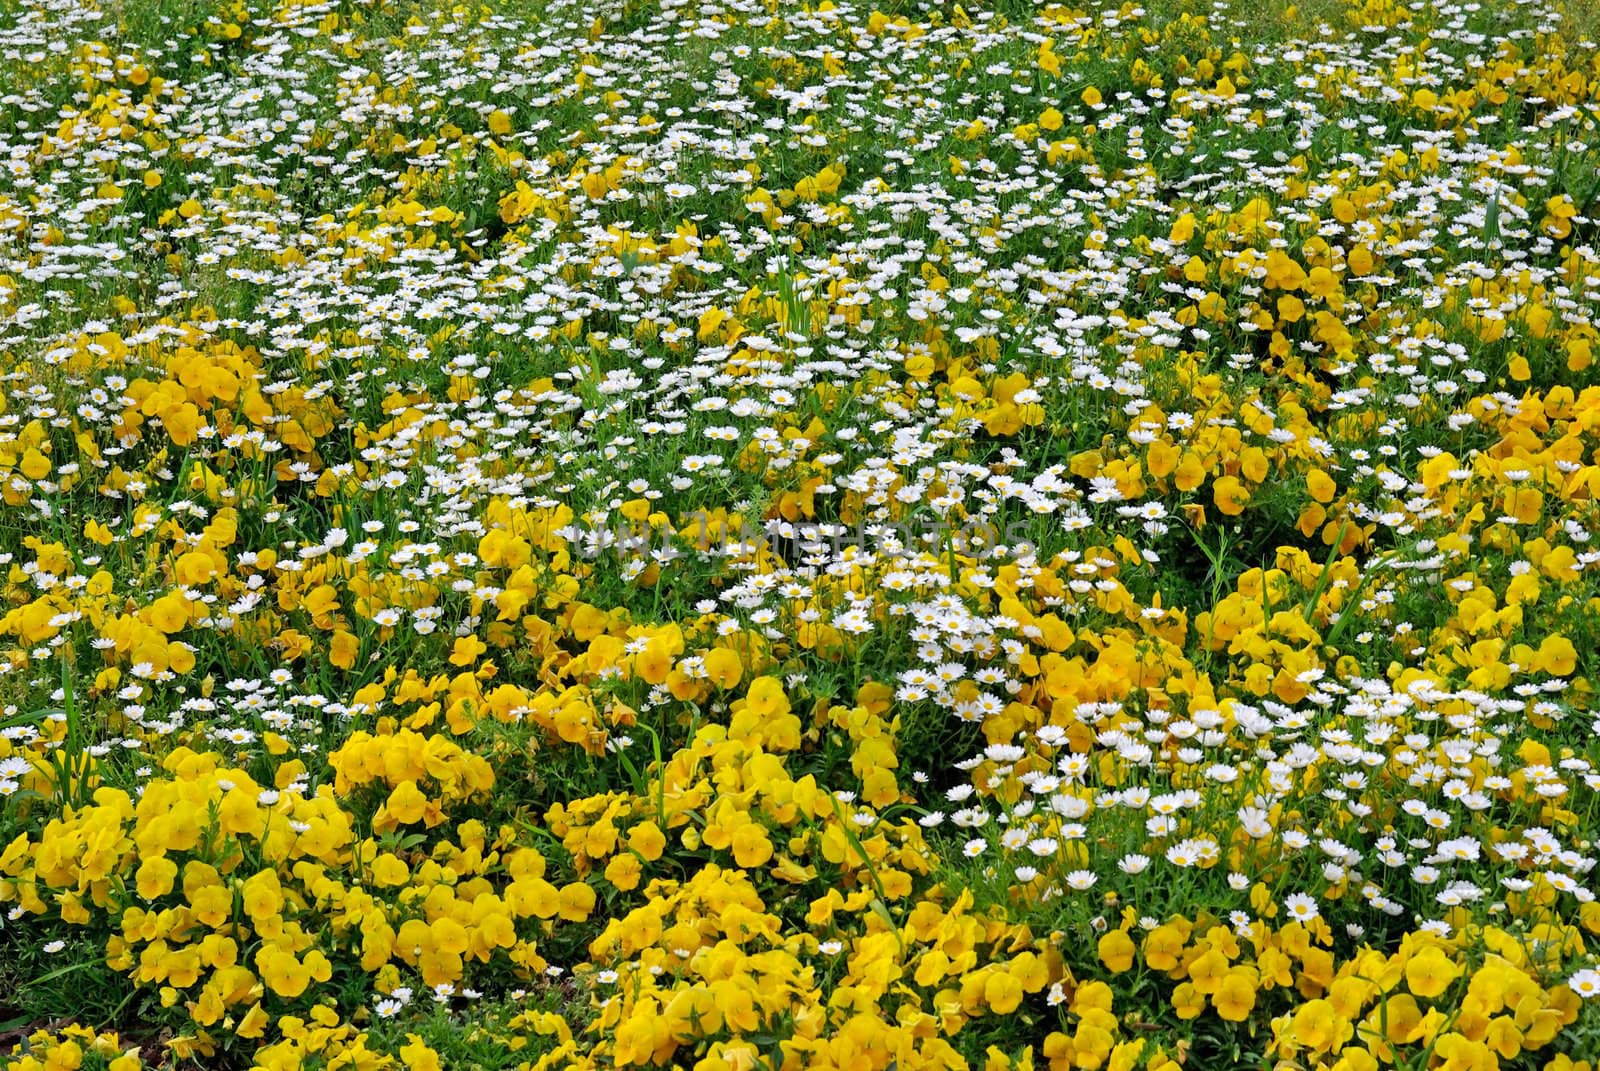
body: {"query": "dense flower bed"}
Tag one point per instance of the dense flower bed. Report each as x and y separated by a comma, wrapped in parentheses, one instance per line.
(769, 535)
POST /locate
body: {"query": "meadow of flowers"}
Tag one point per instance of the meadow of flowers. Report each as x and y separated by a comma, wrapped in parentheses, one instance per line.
(750, 534)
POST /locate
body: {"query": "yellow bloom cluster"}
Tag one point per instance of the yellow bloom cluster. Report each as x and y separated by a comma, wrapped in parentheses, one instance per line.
(74, 1047)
